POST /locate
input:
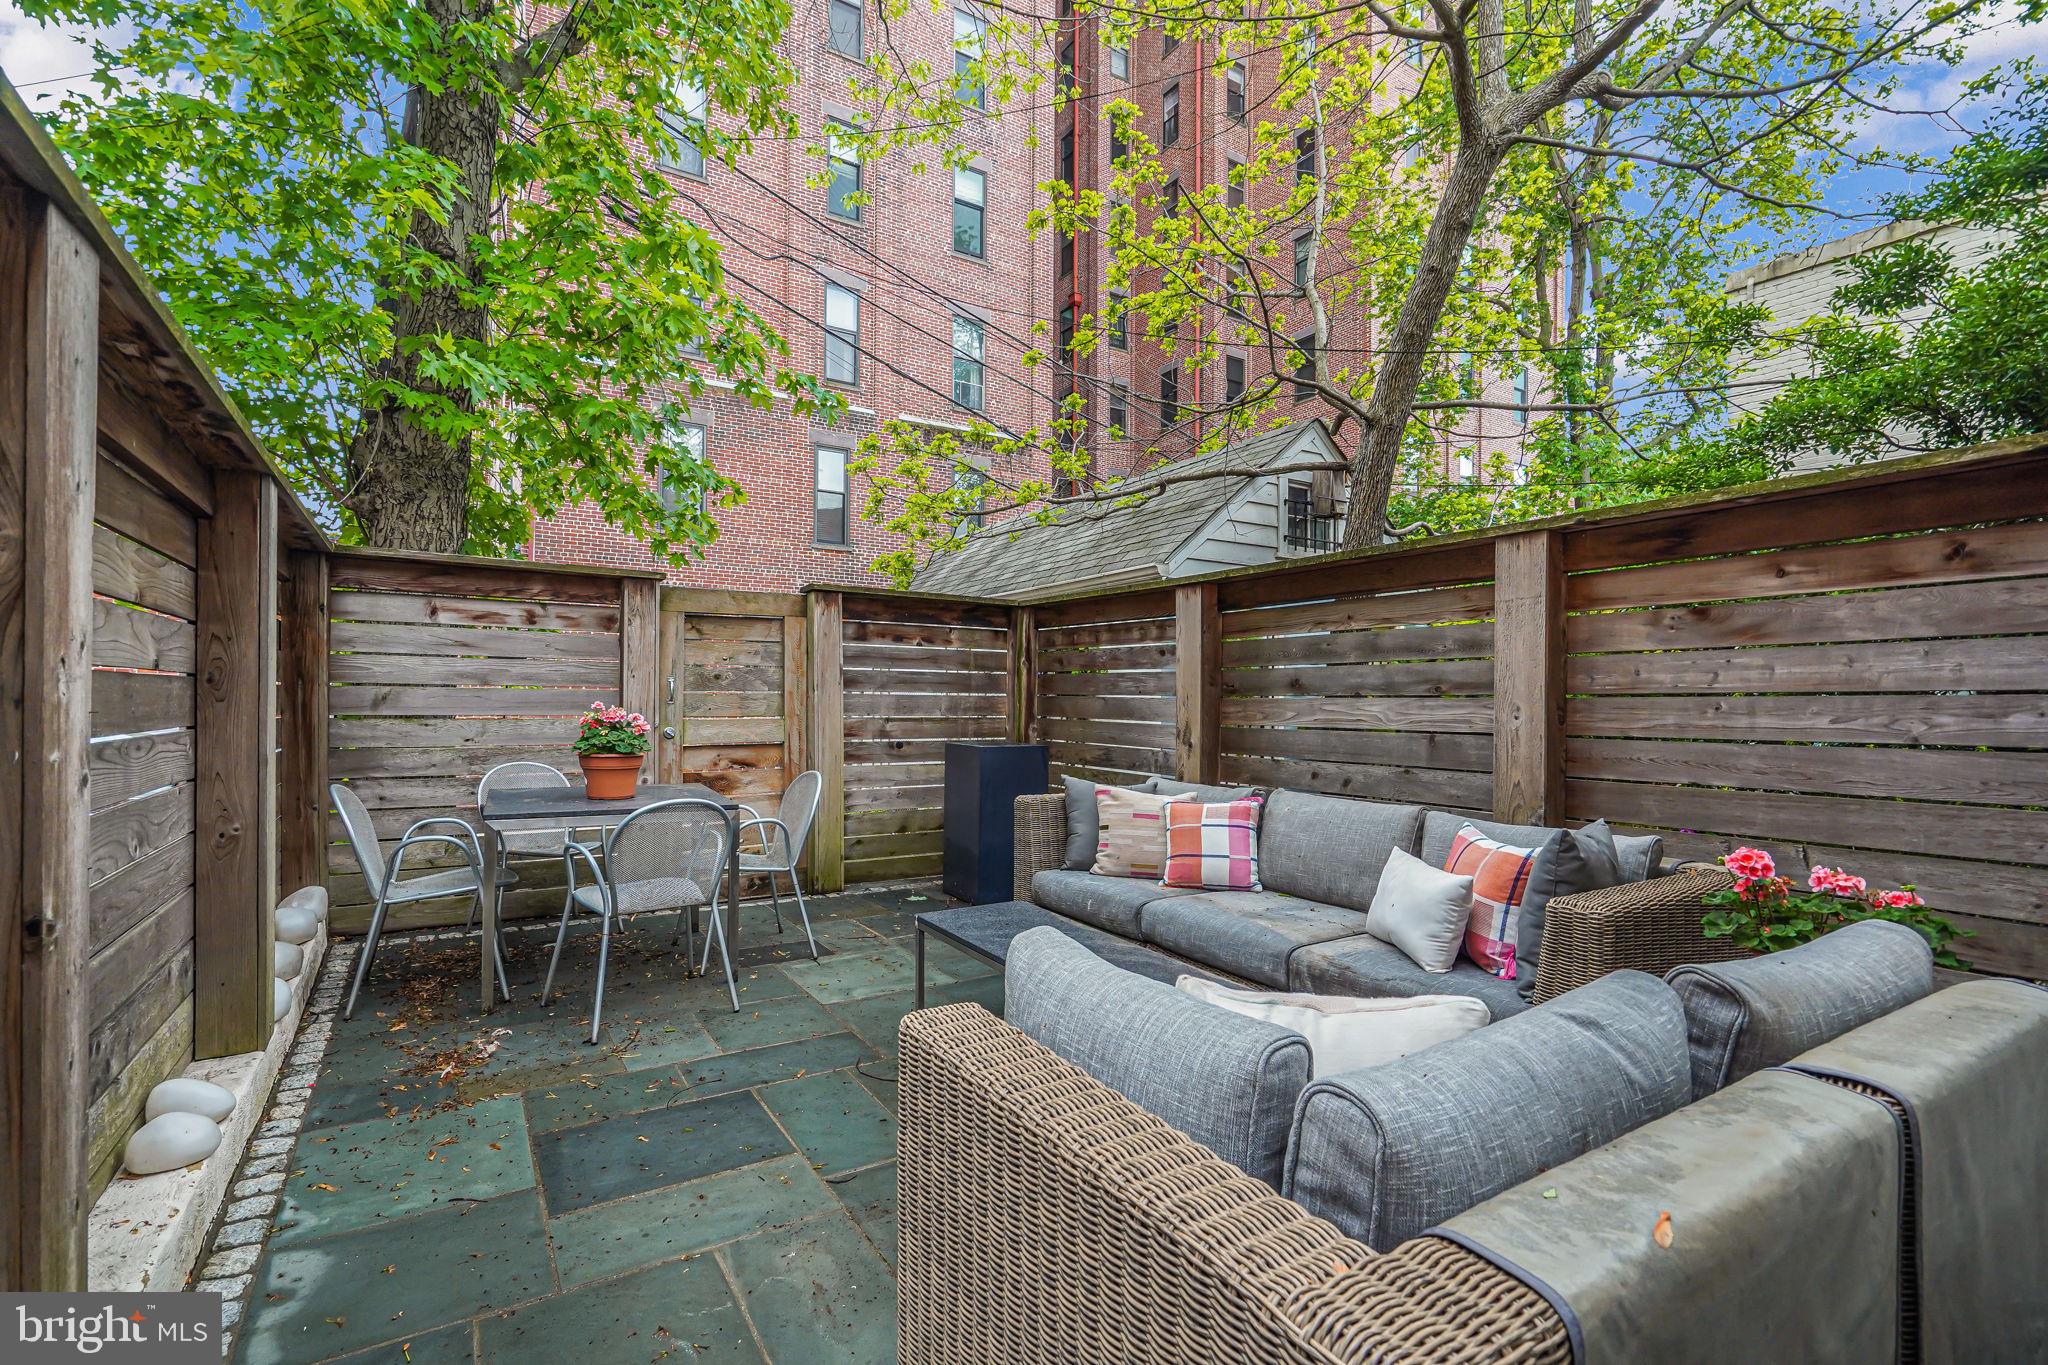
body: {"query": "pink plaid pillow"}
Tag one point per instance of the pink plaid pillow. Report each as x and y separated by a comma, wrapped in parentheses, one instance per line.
(1215, 847)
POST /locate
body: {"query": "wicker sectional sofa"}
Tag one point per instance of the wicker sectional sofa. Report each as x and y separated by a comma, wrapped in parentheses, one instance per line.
(1320, 860)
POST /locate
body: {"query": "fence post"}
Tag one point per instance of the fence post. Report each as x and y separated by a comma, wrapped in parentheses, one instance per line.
(1528, 678)
(640, 658)
(796, 699)
(302, 665)
(1023, 675)
(826, 615)
(1197, 681)
(49, 347)
(236, 743)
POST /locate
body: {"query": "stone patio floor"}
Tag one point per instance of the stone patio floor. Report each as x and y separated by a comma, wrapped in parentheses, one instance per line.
(701, 1185)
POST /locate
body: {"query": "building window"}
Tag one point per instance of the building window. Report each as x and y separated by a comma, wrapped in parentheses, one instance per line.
(689, 438)
(1167, 43)
(968, 369)
(970, 204)
(1120, 63)
(1169, 201)
(968, 479)
(1305, 365)
(1233, 91)
(1119, 411)
(685, 121)
(967, 47)
(1305, 154)
(1169, 398)
(1169, 115)
(1067, 332)
(1301, 255)
(1467, 467)
(1119, 324)
(1413, 51)
(1304, 531)
(1233, 378)
(842, 335)
(1522, 395)
(1066, 257)
(841, 196)
(843, 27)
(1067, 157)
(828, 498)
(1233, 183)
(1119, 145)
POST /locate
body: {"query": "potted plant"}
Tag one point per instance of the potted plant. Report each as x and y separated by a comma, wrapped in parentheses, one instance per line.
(1764, 913)
(610, 747)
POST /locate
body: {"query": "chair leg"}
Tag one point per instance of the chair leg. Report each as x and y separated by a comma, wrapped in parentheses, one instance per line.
(804, 911)
(497, 950)
(363, 961)
(547, 989)
(775, 897)
(604, 950)
(717, 932)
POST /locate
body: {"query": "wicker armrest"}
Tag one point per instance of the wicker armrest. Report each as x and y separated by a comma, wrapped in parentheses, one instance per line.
(1651, 926)
(1041, 839)
(1043, 1219)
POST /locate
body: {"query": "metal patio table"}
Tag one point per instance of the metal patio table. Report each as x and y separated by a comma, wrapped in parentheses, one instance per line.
(527, 808)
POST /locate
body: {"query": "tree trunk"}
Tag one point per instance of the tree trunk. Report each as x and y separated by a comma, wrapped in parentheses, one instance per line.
(1401, 366)
(410, 486)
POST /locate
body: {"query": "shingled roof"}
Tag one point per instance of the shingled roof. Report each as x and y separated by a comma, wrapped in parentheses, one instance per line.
(1109, 543)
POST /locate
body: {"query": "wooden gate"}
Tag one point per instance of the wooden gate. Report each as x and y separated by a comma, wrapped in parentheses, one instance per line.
(731, 694)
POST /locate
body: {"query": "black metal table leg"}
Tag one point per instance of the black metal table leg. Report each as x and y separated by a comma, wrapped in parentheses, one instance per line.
(920, 966)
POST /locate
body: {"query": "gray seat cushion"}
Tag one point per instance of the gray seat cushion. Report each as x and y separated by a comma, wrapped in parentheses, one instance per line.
(1368, 966)
(1250, 934)
(1331, 849)
(1227, 1081)
(1110, 903)
(1759, 1011)
(1386, 1152)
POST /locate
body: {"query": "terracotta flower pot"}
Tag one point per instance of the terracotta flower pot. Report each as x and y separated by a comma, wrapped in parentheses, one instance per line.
(610, 777)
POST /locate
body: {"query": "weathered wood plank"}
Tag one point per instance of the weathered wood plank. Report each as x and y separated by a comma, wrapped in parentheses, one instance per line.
(465, 701)
(702, 730)
(1998, 607)
(1110, 635)
(897, 798)
(729, 704)
(435, 609)
(1391, 570)
(906, 633)
(1109, 753)
(1438, 677)
(130, 426)
(890, 869)
(384, 637)
(1991, 778)
(1095, 659)
(121, 769)
(826, 636)
(304, 640)
(1997, 663)
(884, 658)
(761, 654)
(711, 675)
(138, 511)
(732, 628)
(1528, 672)
(906, 704)
(1998, 835)
(118, 1110)
(1059, 707)
(1086, 611)
(2007, 720)
(1386, 748)
(925, 727)
(123, 897)
(470, 760)
(886, 776)
(1363, 646)
(729, 602)
(1944, 557)
(124, 637)
(135, 573)
(895, 822)
(1453, 714)
(438, 577)
(869, 847)
(124, 703)
(135, 1018)
(1469, 603)
(735, 771)
(236, 746)
(121, 834)
(346, 732)
(1418, 786)
(136, 955)
(431, 670)
(926, 613)
(1196, 681)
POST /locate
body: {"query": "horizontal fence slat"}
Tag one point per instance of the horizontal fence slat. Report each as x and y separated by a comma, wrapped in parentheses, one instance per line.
(1423, 607)
(365, 700)
(135, 573)
(435, 609)
(1456, 714)
(2009, 720)
(1411, 786)
(381, 637)
(431, 670)
(1837, 770)
(126, 637)
(2011, 606)
(1997, 663)
(1463, 752)
(120, 769)
(1463, 677)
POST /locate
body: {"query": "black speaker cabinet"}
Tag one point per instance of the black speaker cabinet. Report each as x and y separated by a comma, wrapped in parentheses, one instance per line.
(983, 781)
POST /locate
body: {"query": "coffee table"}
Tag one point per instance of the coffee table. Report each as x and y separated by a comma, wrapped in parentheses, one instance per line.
(985, 931)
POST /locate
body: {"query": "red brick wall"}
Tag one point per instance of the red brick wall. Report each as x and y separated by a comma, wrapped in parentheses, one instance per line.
(780, 245)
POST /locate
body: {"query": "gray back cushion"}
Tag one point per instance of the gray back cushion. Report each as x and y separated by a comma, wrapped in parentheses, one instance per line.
(1440, 827)
(1331, 849)
(1640, 854)
(1760, 1011)
(1084, 830)
(1387, 1152)
(1227, 1081)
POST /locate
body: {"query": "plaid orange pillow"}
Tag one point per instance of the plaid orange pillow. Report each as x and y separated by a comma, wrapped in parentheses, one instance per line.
(1500, 882)
(1213, 846)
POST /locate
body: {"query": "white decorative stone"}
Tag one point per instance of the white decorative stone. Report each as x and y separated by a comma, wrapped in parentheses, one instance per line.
(169, 1141)
(184, 1095)
(248, 1232)
(312, 898)
(287, 960)
(280, 999)
(296, 924)
(232, 1262)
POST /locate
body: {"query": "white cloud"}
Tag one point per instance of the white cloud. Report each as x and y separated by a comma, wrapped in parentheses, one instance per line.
(1939, 89)
(45, 63)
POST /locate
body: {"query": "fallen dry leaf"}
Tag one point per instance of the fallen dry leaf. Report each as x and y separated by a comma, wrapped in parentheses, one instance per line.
(1661, 1235)
(323, 1185)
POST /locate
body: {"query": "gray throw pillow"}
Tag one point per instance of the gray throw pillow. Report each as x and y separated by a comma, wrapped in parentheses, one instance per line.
(1573, 860)
(1084, 830)
(1640, 854)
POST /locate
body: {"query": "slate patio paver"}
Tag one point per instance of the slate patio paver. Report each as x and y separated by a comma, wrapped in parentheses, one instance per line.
(756, 1218)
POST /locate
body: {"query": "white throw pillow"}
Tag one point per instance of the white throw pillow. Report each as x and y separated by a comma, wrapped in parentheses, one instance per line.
(1345, 1033)
(1421, 910)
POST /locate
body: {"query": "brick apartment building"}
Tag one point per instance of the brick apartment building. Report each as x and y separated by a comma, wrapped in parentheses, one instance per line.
(919, 303)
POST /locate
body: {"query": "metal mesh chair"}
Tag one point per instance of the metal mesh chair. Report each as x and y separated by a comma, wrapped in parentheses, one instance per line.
(783, 839)
(524, 775)
(389, 888)
(667, 856)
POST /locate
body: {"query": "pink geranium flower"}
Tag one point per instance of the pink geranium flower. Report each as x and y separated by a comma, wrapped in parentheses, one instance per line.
(1750, 864)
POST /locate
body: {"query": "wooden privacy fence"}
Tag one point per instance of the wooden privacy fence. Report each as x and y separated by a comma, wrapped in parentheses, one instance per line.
(1846, 669)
